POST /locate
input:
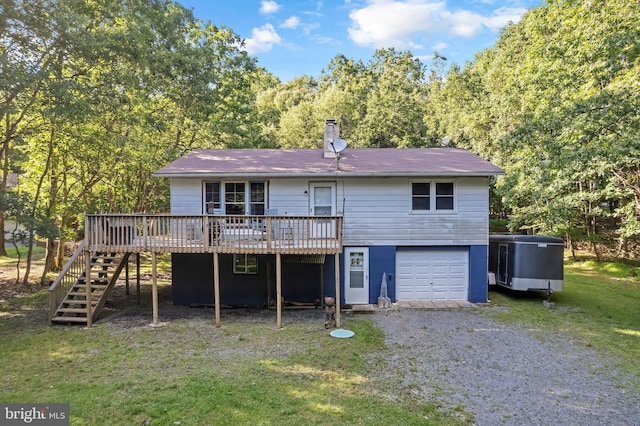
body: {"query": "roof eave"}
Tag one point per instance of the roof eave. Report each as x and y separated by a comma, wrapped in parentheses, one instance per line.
(326, 174)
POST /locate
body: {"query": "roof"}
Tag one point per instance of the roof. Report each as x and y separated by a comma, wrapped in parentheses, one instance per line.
(311, 163)
(515, 238)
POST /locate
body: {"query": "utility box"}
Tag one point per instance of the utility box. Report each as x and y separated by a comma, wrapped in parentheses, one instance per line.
(527, 262)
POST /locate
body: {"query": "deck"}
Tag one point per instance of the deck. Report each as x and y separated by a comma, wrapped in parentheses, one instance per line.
(161, 233)
(80, 290)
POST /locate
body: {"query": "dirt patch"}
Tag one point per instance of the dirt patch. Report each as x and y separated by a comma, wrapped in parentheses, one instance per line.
(10, 289)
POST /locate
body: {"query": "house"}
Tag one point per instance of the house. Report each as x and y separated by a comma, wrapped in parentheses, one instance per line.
(418, 215)
(278, 227)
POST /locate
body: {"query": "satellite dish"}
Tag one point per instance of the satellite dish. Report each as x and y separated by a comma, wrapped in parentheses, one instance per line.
(339, 145)
(445, 141)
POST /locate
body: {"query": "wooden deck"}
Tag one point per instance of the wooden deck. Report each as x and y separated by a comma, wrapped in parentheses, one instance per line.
(162, 233)
(78, 293)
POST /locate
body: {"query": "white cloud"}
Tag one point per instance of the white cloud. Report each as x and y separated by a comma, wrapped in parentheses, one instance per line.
(398, 23)
(268, 6)
(463, 23)
(291, 23)
(501, 17)
(440, 46)
(387, 22)
(262, 39)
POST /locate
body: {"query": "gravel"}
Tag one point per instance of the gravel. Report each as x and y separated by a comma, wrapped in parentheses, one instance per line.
(504, 374)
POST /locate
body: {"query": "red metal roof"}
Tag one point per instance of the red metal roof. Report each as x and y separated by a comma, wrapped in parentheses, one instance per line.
(310, 162)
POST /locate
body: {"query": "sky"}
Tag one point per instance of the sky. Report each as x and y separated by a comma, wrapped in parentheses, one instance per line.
(300, 37)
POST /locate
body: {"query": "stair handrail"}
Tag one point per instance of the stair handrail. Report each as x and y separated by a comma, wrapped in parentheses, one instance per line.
(66, 279)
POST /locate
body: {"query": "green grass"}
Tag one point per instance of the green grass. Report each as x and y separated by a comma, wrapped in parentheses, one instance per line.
(599, 307)
(189, 372)
(11, 257)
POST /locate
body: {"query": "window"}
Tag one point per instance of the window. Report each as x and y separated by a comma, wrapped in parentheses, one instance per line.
(212, 197)
(256, 198)
(444, 195)
(420, 196)
(423, 201)
(234, 198)
(245, 264)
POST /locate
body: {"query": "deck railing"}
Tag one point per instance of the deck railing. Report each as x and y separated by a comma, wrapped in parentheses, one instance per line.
(67, 278)
(163, 233)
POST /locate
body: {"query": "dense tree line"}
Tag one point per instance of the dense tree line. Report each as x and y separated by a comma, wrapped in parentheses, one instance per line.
(96, 95)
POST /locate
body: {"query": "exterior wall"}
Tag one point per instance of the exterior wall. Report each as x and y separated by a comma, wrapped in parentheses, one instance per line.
(377, 211)
(382, 259)
(377, 214)
(186, 196)
(192, 281)
(478, 288)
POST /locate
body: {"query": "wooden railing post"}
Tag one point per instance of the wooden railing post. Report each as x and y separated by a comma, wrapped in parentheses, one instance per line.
(269, 230)
(145, 232)
(87, 282)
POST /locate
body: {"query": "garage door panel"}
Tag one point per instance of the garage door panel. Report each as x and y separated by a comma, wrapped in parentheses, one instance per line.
(456, 269)
(432, 275)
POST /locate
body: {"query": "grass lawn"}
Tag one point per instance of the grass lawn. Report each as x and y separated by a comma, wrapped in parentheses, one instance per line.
(599, 307)
(188, 372)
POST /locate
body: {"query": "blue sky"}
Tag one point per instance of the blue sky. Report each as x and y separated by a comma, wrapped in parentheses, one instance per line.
(292, 38)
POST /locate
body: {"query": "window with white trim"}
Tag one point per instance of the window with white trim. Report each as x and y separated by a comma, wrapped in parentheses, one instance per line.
(256, 198)
(245, 264)
(444, 196)
(212, 197)
(430, 196)
(235, 198)
(420, 196)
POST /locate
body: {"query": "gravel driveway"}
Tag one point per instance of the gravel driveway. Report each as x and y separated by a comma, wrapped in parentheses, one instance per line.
(504, 374)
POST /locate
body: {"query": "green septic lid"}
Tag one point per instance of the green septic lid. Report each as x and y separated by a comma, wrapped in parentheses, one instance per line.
(341, 333)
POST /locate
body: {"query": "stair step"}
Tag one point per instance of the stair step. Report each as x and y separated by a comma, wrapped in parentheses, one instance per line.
(84, 286)
(84, 293)
(80, 302)
(73, 310)
(69, 319)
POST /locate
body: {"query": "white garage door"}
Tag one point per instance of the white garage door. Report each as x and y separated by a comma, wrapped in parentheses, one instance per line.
(432, 275)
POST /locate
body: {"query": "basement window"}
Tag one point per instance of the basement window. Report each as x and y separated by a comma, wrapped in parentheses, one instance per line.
(245, 264)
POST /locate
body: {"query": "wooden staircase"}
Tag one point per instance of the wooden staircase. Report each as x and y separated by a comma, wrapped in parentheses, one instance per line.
(101, 278)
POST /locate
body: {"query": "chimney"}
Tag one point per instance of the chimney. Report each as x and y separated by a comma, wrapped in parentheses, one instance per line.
(331, 133)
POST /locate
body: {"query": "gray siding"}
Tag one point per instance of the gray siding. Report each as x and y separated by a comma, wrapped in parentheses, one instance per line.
(377, 211)
(186, 196)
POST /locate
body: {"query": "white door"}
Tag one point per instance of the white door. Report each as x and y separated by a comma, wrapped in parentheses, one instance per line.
(322, 203)
(432, 275)
(356, 275)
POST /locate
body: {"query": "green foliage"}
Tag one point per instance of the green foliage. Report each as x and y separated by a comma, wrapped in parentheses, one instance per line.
(555, 103)
(96, 96)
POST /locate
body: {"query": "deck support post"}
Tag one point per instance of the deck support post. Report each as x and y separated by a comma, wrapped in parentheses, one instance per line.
(337, 263)
(126, 278)
(216, 286)
(138, 276)
(269, 284)
(154, 288)
(87, 282)
(278, 290)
